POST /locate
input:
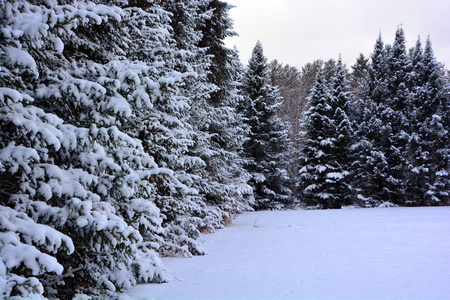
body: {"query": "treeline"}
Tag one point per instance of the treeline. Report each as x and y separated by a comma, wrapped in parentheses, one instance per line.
(128, 128)
(380, 133)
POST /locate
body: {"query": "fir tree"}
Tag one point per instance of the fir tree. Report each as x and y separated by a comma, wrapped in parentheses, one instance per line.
(385, 127)
(82, 175)
(214, 31)
(217, 125)
(325, 166)
(96, 150)
(359, 73)
(396, 115)
(429, 162)
(267, 147)
(370, 160)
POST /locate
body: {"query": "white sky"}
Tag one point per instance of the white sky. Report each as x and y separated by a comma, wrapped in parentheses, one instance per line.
(300, 31)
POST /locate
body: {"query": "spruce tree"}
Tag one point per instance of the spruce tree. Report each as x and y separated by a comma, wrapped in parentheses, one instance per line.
(359, 71)
(266, 149)
(370, 161)
(97, 146)
(429, 160)
(221, 123)
(325, 159)
(213, 100)
(82, 178)
(397, 116)
(215, 29)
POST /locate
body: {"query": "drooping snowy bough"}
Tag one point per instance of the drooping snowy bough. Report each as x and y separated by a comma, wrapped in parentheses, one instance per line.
(98, 171)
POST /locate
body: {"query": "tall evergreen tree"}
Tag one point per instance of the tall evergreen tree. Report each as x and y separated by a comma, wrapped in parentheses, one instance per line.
(429, 150)
(267, 148)
(370, 159)
(213, 100)
(223, 124)
(386, 125)
(325, 166)
(397, 116)
(214, 31)
(84, 179)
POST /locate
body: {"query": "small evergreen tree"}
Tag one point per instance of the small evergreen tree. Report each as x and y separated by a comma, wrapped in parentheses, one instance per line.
(359, 71)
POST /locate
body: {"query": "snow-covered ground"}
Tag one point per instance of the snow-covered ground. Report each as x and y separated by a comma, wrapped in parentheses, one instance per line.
(383, 253)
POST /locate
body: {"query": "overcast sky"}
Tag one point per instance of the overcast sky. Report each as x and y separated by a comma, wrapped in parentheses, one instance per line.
(299, 31)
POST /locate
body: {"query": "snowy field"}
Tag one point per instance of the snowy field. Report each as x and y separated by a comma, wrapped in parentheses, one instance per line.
(383, 253)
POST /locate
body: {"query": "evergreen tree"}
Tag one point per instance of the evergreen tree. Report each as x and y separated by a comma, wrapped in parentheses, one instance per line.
(217, 125)
(98, 145)
(82, 178)
(223, 124)
(370, 160)
(359, 73)
(325, 166)
(397, 116)
(267, 148)
(329, 70)
(215, 29)
(429, 160)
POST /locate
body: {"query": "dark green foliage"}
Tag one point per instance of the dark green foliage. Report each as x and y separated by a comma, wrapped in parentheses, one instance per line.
(325, 165)
(359, 71)
(267, 148)
(403, 131)
(214, 31)
(428, 148)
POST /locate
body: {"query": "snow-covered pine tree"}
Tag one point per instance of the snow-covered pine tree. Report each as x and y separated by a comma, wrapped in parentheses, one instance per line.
(325, 158)
(213, 101)
(313, 158)
(268, 146)
(359, 72)
(214, 31)
(418, 175)
(370, 163)
(402, 116)
(397, 116)
(165, 133)
(223, 127)
(99, 147)
(77, 175)
(342, 105)
(429, 144)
